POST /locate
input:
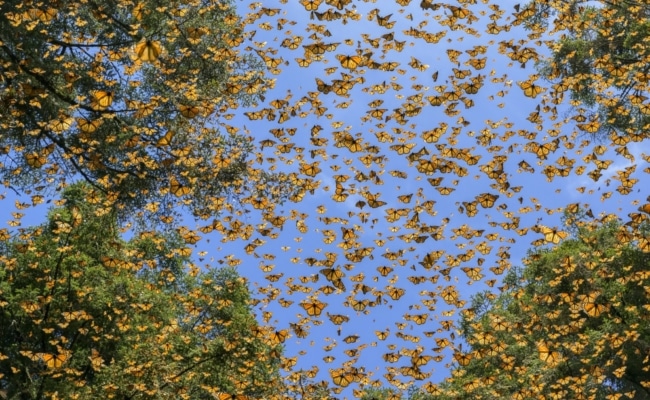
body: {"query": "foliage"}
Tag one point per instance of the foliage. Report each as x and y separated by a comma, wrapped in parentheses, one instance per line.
(574, 323)
(86, 314)
(601, 58)
(125, 96)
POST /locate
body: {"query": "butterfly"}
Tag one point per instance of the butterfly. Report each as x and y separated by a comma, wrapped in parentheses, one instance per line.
(310, 5)
(463, 358)
(474, 273)
(166, 140)
(147, 50)
(383, 21)
(553, 235)
(594, 309)
(53, 361)
(177, 189)
(546, 355)
(350, 62)
(530, 89)
(373, 200)
(341, 378)
(420, 319)
(101, 99)
(310, 169)
(88, 126)
(313, 308)
(303, 62)
(189, 111)
(61, 124)
(487, 199)
(359, 305)
(279, 336)
(645, 208)
(35, 160)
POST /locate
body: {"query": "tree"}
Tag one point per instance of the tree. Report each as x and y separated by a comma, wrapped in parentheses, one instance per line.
(124, 96)
(573, 323)
(601, 59)
(86, 314)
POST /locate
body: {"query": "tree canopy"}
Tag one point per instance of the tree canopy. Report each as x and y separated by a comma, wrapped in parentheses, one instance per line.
(602, 59)
(123, 95)
(86, 314)
(573, 323)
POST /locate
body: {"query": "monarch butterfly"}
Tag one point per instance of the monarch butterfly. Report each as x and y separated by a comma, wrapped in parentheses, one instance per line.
(233, 88)
(338, 319)
(177, 189)
(303, 62)
(102, 99)
(311, 5)
(339, 4)
(445, 190)
(35, 160)
(96, 360)
(396, 293)
(373, 202)
(449, 295)
(391, 357)
(487, 199)
(548, 356)
(272, 62)
(403, 148)
(553, 235)
(420, 319)
(463, 358)
(313, 308)
(471, 88)
(383, 21)
(341, 87)
(189, 111)
(315, 49)
(594, 309)
(88, 126)
(61, 124)
(378, 113)
(461, 73)
(341, 378)
(332, 274)
(166, 140)
(530, 89)
(591, 127)
(280, 336)
(350, 62)
(53, 361)
(194, 34)
(473, 273)
(323, 87)
(645, 208)
(310, 169)
(359, 305)
(382, 335)
(384, 270)
(354, 145)
(147, 50)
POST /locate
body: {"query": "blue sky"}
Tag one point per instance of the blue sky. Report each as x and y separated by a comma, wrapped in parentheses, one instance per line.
(499, 106)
